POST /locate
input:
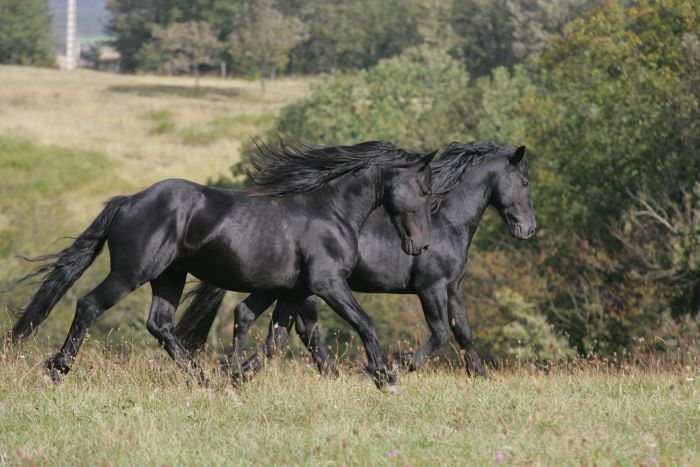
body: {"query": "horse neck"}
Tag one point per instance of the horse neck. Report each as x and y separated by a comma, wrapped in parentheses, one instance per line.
(465, 204)
(354, 197)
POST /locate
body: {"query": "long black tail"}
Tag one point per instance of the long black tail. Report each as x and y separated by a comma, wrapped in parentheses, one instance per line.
(198, 318)
(60, 274)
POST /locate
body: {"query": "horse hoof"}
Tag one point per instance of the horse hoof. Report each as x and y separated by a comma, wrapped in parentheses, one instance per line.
(476, 371)
(57, 367)
(239, 378)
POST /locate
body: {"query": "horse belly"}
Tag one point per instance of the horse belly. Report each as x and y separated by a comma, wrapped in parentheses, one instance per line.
(243, 265)
(381, 270)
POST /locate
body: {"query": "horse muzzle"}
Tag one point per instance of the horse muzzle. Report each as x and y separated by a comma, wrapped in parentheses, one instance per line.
(411, 247)
(522, 231)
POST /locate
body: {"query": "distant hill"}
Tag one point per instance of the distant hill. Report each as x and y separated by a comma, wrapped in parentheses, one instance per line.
(91, 17)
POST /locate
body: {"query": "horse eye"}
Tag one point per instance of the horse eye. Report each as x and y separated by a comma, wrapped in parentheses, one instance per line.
(525, 183)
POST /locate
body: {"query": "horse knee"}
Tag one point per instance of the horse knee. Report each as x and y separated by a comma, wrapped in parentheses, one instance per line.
(86, 310)
(440, 336)
(244, 316)
(462, 333)
(155, 327)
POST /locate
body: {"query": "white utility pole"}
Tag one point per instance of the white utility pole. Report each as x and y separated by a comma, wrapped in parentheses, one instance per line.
(70, 36)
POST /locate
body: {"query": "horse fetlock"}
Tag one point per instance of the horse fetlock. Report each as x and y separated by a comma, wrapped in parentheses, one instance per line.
(474, 365)
(383, 379)
(58, 365)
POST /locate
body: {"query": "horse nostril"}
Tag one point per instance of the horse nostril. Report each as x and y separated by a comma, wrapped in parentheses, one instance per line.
(532, 230)
(425, 248)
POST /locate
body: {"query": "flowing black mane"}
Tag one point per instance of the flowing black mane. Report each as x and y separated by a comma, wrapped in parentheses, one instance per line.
(288, 169)
(456, 161)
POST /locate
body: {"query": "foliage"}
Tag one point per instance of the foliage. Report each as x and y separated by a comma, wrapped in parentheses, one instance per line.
(535, 24)
(132, 24)
(526, 336)
(504, 32)
(484, 34)
(662, 246)
(417, 98)
(186, 46)
(25, 32)
(616, 118)
(261, 45)
(351, 34)
(617, 106)
(502, 98)
(348, 34)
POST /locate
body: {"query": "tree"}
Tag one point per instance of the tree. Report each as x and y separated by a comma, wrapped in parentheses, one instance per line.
(418, 99)
(535, 23)
(261, 46)
(133, 22)
(187, 46)
(25, 32)
(615, 127)
(618, 111)
(485, 34)
(349, 34)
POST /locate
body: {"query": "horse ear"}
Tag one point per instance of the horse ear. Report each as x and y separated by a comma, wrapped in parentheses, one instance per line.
(517, 155)
(426, 160)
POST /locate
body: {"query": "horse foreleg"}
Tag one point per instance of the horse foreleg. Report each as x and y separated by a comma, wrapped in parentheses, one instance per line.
(335, 291)
(434, 303)
(459, 321)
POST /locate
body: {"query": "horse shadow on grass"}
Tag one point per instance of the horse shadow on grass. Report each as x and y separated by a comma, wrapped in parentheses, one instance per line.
(165, 90)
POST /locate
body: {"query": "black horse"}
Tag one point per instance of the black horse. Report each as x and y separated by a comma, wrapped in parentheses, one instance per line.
(466, 179)
(294, 235)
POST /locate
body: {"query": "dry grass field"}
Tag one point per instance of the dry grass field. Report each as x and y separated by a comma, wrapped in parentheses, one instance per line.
(149, 127)
(140, 410)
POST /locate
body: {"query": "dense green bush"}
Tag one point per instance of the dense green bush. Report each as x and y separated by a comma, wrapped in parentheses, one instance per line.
(417, 98)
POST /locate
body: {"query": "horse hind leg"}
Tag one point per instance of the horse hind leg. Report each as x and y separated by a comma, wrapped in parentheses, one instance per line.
(277, 337)
(89, 308)
(167, 289)
(245, 315)
(307, 327)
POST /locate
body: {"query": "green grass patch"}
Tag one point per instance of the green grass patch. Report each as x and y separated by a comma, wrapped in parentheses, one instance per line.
(141, 410)
(33, 210)
(235, 127)
(161, 121)
(33, 179)
(30, 172)
(182, 90)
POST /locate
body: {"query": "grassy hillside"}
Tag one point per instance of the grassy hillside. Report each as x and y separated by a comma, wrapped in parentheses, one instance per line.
(142, 411)
(69, 141)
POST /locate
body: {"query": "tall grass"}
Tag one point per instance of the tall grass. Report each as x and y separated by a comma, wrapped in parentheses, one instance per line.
(139, 409)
